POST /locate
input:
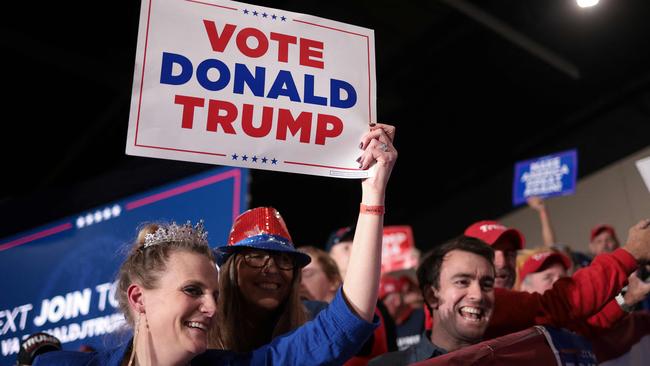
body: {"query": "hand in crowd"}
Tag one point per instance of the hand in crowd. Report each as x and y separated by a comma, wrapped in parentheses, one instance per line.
(638, 241)
(637, 290)
(377, 146)
(536, 203)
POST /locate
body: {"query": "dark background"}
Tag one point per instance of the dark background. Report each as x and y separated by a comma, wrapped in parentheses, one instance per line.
(473, 87)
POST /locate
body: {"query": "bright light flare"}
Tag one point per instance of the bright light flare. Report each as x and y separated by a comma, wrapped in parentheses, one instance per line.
(587, 3)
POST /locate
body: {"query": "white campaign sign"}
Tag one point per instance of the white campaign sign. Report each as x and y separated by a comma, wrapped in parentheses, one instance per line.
(228, 83)
(643, 165)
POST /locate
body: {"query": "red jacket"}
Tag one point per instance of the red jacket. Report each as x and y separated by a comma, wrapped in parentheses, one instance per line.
(626, 334)
(528, 347)
(574, 303)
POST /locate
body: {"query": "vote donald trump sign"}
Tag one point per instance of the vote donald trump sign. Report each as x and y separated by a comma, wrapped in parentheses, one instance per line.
(228, 83)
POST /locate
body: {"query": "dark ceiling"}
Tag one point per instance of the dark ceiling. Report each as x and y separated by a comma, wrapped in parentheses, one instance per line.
(473, 87)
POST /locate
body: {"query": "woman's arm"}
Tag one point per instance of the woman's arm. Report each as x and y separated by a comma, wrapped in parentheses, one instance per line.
(361, 282)
(339, 331)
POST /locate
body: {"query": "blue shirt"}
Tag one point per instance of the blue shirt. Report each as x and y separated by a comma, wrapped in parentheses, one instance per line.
(333, 337)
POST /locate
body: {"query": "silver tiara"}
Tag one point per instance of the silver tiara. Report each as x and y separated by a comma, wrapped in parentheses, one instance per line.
(177, 233)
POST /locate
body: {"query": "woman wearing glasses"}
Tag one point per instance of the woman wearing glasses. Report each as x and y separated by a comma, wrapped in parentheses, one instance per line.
(260, 270)
(259, 282)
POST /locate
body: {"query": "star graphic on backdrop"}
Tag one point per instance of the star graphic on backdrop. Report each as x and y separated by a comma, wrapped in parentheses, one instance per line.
(274, 161)
(244, 158)
(274, 17)
(245, 11)
(284, 19)
(255, 12)
(264, 15)
(264, 159)
(254, 159)
(234, 156)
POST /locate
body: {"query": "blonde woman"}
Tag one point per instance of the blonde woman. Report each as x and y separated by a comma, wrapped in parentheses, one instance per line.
(168, 291)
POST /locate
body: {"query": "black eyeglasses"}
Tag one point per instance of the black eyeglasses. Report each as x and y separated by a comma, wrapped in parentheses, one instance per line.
(260, 259)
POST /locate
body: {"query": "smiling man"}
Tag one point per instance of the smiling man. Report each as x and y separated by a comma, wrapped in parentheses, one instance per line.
(466, 305)
(457, 280)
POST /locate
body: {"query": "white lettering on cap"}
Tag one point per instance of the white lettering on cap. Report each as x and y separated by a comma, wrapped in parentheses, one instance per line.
(490, 227)
(541, 256)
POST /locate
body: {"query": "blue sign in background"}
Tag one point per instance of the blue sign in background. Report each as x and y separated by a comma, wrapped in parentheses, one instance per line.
(59, 277)
(547, 176)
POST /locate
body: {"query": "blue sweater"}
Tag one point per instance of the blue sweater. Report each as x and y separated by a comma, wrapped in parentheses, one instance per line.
(333, 337)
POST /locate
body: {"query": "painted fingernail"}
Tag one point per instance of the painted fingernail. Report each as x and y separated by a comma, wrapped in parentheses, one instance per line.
(359, 159)
(372, 124)
(361, 145)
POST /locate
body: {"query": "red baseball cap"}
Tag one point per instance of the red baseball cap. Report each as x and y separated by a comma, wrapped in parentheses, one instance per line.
(537, 261)
(603, 227)
(491, 231)
(389, 285)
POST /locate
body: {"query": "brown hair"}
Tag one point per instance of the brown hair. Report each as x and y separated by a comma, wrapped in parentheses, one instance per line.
(327, 264)
(231, 331)
(428, 272)
(144, 266)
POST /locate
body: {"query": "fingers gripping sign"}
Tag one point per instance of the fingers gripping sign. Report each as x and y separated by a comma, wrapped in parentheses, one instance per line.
(379, 153)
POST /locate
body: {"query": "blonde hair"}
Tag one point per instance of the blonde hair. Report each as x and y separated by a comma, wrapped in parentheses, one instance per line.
(230, 334)
(524, 254)
(143, 266)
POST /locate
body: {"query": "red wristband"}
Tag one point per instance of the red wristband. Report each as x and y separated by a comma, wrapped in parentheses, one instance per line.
(372, 210)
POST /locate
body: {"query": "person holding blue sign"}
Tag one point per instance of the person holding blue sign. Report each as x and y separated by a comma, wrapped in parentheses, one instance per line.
(168, 289)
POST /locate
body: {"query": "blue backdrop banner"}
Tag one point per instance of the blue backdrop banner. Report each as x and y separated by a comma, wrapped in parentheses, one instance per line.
(59, 278)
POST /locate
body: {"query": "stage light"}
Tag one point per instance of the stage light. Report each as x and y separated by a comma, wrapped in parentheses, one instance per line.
(587, 3)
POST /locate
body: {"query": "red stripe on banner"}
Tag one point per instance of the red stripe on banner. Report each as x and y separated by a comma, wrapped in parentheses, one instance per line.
(235, 192)
(218, 6)
(319, 166)
(36, 236)
(235, 173)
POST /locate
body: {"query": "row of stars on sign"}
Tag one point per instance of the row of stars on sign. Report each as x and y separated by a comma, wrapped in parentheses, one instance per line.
(98, 216)
(254, 159)
(255, 13)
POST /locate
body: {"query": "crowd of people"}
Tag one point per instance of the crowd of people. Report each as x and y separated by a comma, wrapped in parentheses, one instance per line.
(262, 300)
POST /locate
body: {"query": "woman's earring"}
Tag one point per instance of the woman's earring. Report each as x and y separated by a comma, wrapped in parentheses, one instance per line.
(135, 337)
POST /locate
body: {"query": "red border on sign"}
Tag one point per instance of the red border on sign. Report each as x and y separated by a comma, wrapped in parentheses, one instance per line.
(144, 62)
